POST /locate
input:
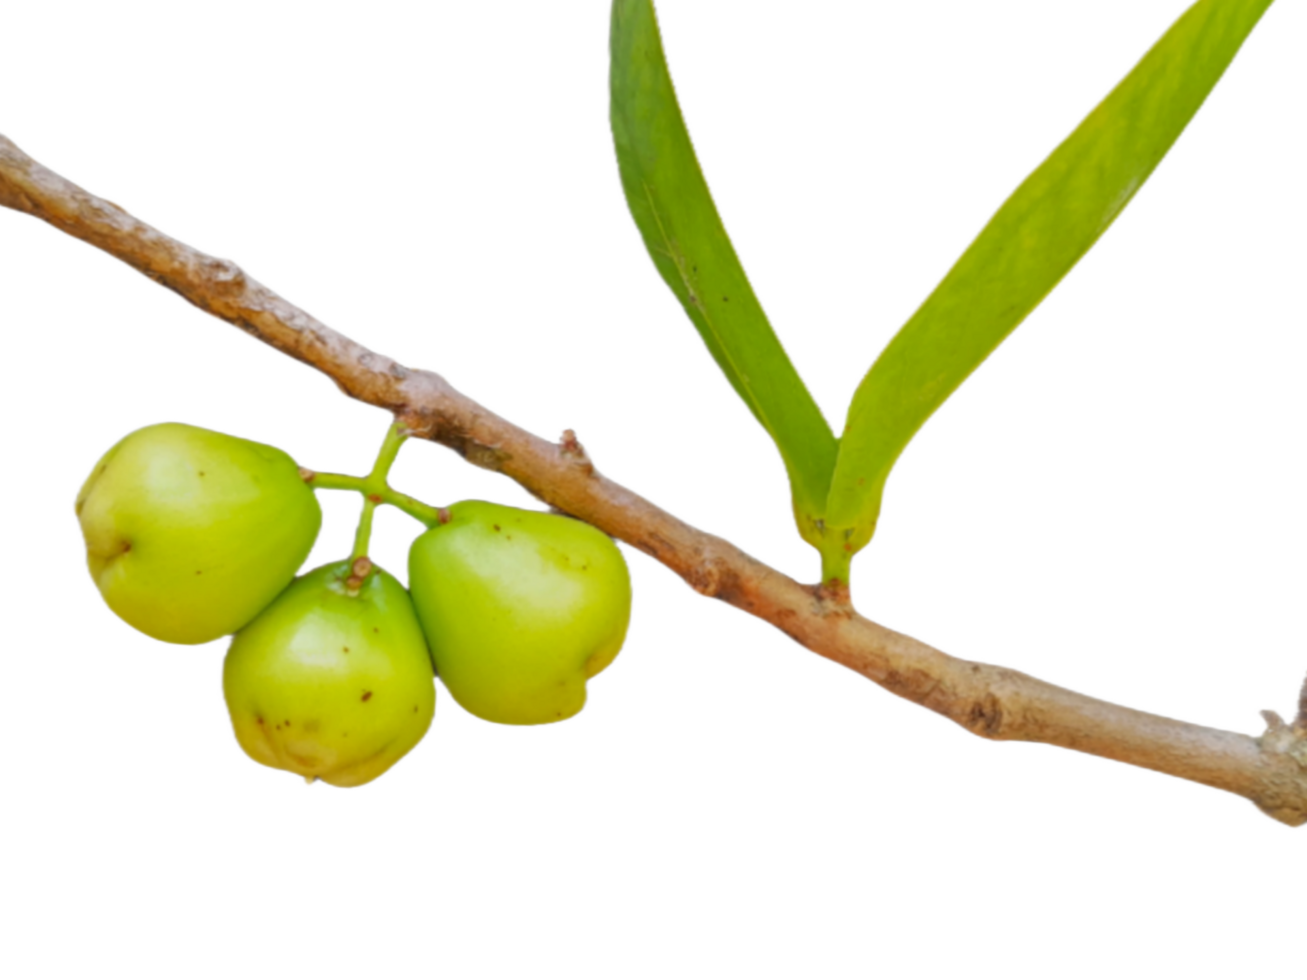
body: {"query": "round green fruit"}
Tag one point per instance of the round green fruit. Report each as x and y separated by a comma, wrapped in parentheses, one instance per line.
(520, 609)
(333, 681)
(190, 533)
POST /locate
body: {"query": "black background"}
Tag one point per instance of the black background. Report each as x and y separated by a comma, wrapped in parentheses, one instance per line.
(1108, 503)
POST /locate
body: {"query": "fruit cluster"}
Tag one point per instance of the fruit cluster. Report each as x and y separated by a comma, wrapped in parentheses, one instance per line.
(192, 535)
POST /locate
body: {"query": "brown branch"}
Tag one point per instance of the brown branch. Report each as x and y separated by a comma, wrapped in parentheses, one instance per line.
(989, 701)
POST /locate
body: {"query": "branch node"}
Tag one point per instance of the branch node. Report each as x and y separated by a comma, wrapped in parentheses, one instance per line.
(833, 598)
(307, 475)
(224, 272)
(1300, 722)
(569, 445)
(1283, 739)
(1274, 723)
(713, 578)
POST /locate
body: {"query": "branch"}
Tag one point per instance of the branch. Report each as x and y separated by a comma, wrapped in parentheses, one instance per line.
(989, 701)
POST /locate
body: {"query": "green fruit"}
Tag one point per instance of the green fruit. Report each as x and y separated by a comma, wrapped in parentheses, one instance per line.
(190, 533)
(333, 680)
(520, 608)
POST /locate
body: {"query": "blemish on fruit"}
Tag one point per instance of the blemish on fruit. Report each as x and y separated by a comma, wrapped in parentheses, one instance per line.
(367, 696)
(495, 526)
(344, 649)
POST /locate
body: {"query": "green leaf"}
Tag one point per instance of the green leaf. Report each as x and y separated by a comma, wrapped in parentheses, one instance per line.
(672, 207)
(1042, 230)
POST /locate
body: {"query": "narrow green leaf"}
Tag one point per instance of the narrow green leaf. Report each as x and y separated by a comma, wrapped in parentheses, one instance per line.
(672, 207)
(1042, 230)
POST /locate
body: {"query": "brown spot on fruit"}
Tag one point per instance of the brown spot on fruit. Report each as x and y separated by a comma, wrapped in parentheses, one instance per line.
(366, 696)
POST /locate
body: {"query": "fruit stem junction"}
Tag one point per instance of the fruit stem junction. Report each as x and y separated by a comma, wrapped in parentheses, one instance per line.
(375, 489)
(359, 484)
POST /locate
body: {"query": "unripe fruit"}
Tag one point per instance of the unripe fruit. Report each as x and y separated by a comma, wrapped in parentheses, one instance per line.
(333, 680)
(520, 608)
(190, 533)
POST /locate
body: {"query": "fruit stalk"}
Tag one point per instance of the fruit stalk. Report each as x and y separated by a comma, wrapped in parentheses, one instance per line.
(376, 490)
